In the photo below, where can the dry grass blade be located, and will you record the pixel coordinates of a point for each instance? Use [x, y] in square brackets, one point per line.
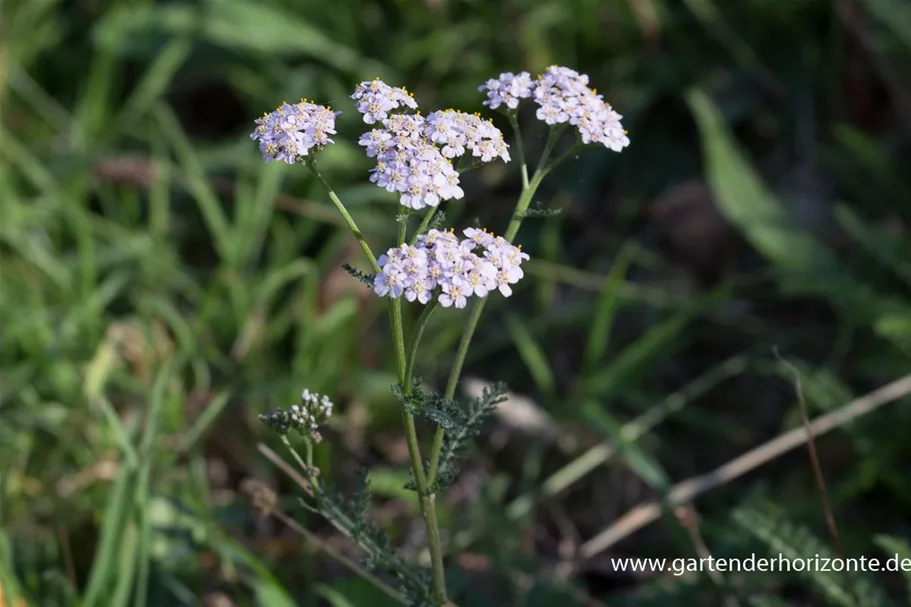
[687, 490]
[319, 544]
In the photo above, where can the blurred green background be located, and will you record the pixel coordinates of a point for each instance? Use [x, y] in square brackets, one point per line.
[161, 287]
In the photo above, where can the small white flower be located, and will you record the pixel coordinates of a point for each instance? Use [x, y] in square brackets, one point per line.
[293, 131]
[306, 417]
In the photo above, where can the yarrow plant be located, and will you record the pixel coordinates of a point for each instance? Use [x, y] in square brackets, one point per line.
[421, 160]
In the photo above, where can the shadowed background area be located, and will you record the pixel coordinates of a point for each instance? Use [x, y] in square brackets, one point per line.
[161, 287]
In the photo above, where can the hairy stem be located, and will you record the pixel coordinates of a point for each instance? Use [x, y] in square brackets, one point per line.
[345, 215]
[423, 226]
[520, 149]
[427, 505]
[416, 340]
[528, 192]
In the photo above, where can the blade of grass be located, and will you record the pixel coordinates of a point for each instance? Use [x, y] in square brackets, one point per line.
[202, 424]
[805, 265]
[155, 81]
[113, 527]
[605, 310]
[197, 183]
[532, 354]
[891, 251]
[660, 341]
[245, 27]
[142, 555]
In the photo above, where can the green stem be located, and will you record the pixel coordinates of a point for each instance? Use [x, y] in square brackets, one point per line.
[425, 501]
[418, 333]
[566, 155]
[529, 192]
[423, 226]
[307, 465]
[525, 198]
[520, 149]
[427, 504]
[311, 164]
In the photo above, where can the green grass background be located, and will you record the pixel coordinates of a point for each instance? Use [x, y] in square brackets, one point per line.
[161, 287]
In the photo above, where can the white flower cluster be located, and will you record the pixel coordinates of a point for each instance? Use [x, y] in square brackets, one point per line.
[312, 412]
[375, 99]
[456, 130]
[408, 159]
[563, 96]
[507, 89]
[441, 260]
[291, 131]
[408, 163]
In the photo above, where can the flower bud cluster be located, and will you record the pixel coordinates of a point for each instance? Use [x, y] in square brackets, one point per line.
[312, 412]
[441, 264]
[292, 131]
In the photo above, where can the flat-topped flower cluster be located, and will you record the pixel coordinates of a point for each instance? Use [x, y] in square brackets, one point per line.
[441, 263]
[292, 131]
[408, 159]
[563, 96]
[414, 154]
[376, 100]
[409, 164]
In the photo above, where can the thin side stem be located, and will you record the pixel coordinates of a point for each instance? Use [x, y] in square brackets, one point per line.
[566, 155]
[306, 466]
[528, 192]
[345, 215]
[423, 225]
[416, 340]
[427, 505]
[520, 149]
[395, 311]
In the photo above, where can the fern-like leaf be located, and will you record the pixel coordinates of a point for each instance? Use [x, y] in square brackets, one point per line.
[438, 221]
[797, 543]
[367, 279]
[539, 212]
[457, 439]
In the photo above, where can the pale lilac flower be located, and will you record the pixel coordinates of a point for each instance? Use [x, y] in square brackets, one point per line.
[377, 142]
[507, 89]
[440, 262]
[292, 131]
[430, 238]
[507, 259]
[408, 163]
[376, 99]
[480, 237]
[453, 295]
[456, 131]
[420, 290]
[563, 96]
